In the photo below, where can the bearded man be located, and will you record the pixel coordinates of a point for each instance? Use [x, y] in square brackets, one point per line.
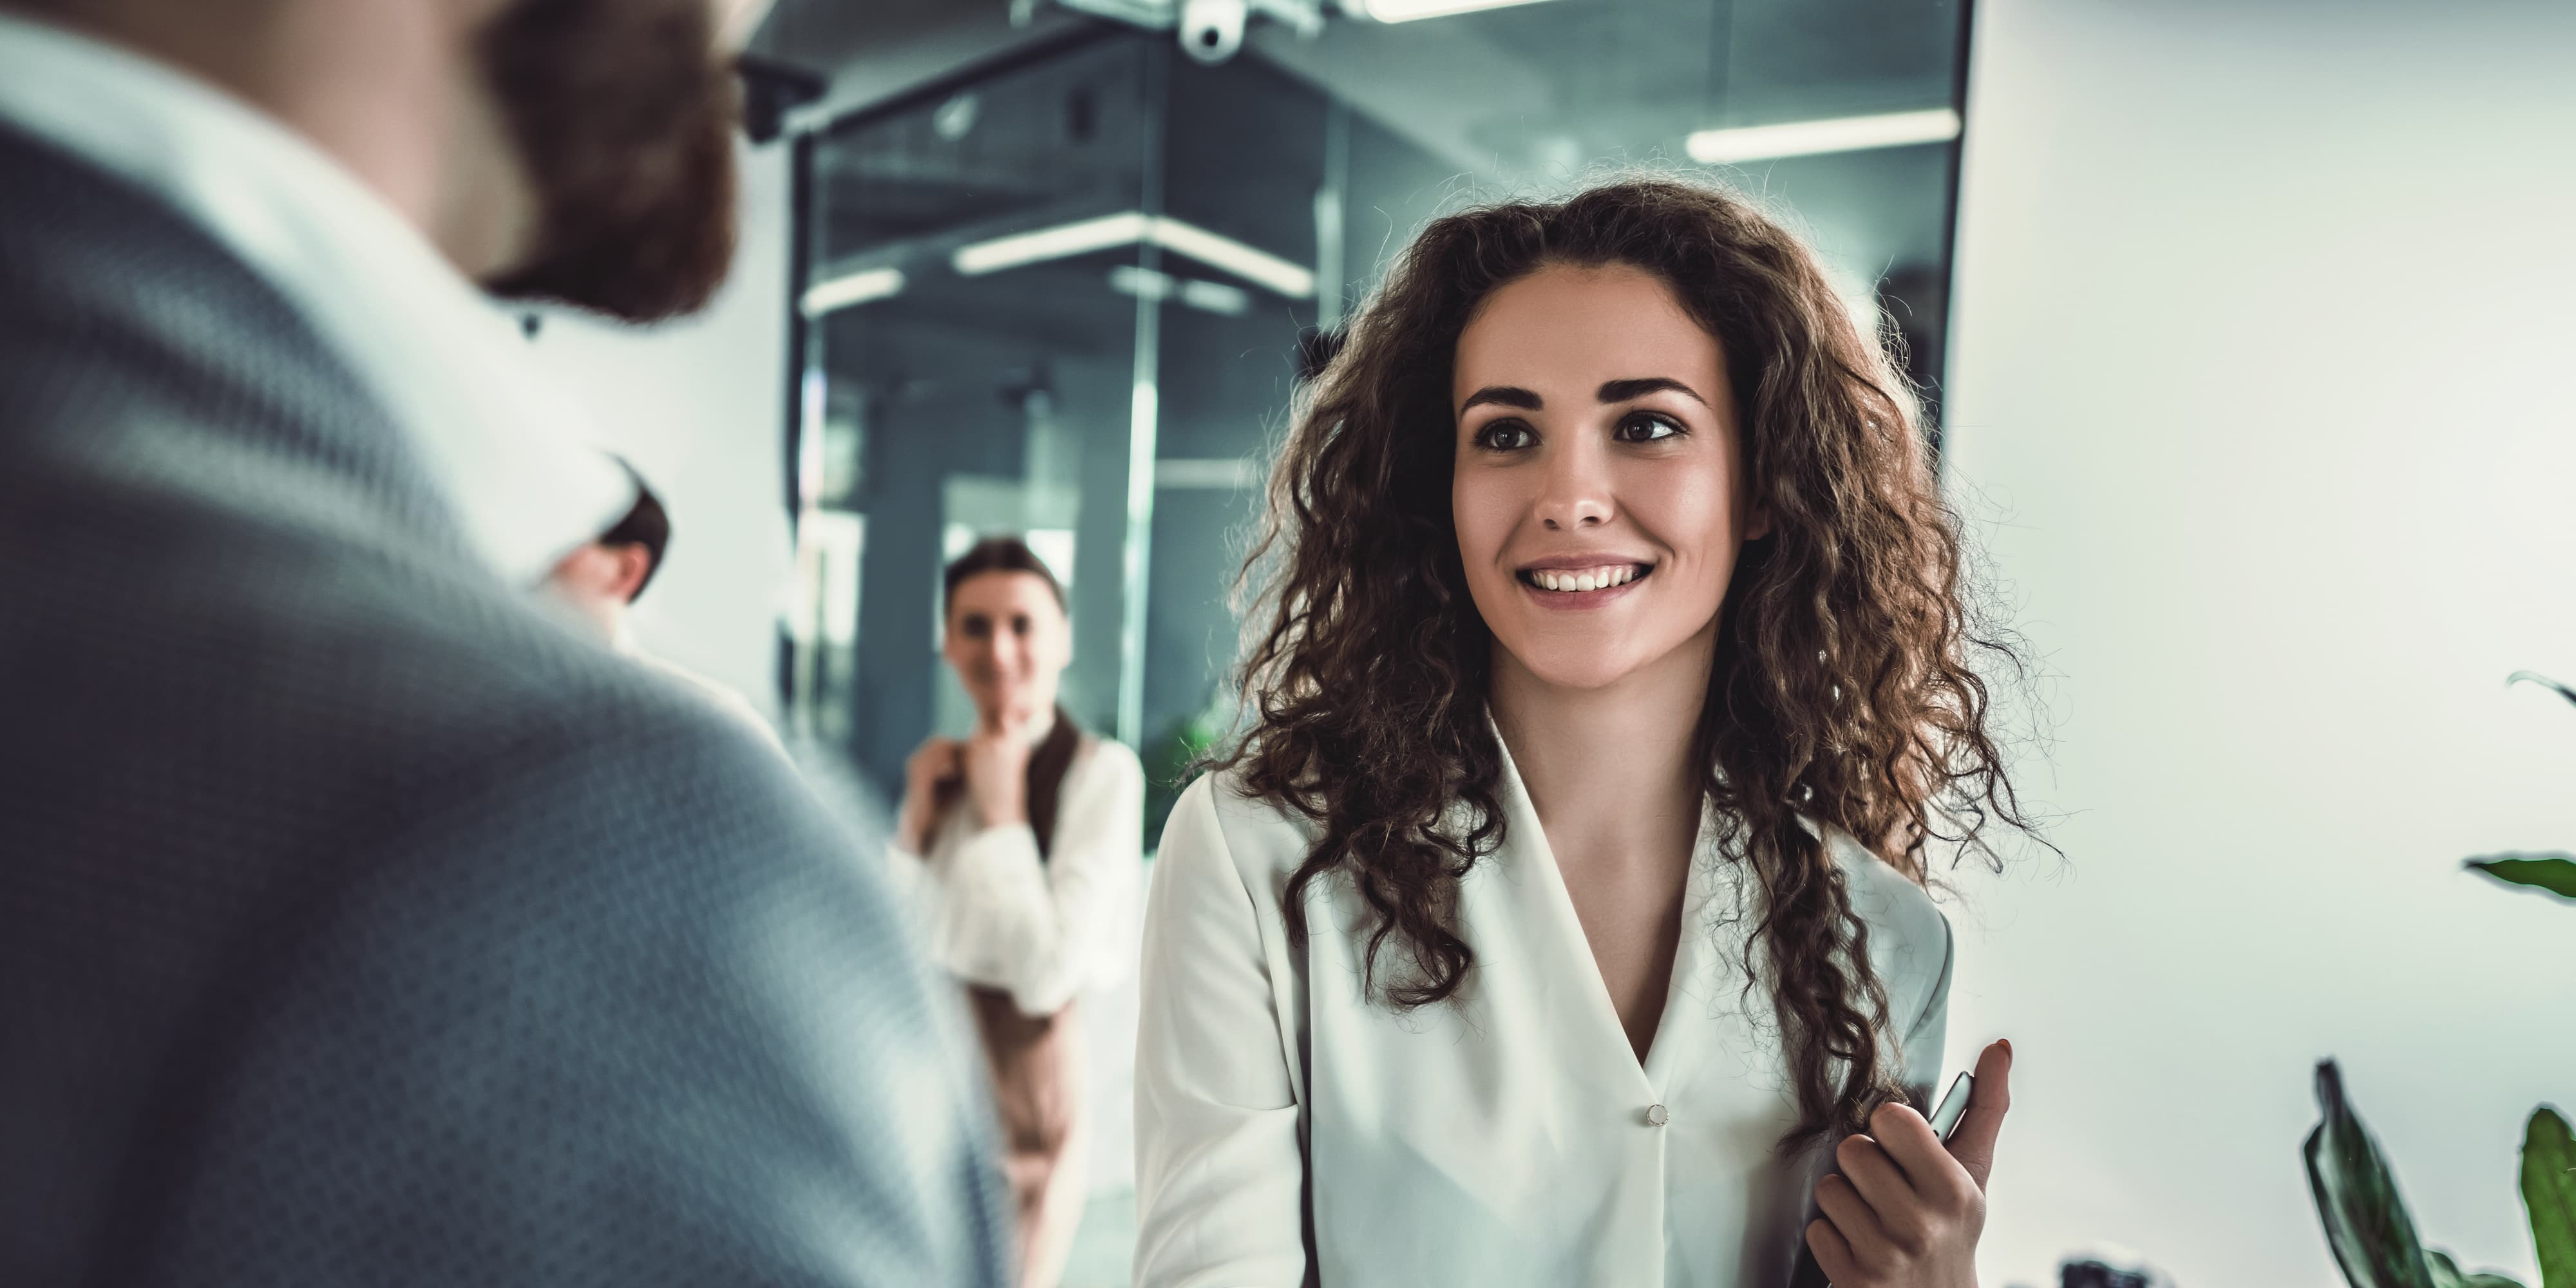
[360, 923]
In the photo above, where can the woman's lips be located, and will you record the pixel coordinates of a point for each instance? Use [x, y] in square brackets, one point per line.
[1585, 586]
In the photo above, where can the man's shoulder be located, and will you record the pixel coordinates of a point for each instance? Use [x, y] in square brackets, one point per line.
[301, 660]
[715, 694]
[482, 701]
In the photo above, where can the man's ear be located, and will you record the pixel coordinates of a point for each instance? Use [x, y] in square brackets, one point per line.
[634, 565]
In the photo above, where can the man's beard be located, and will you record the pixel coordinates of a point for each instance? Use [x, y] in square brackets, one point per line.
[624, 118]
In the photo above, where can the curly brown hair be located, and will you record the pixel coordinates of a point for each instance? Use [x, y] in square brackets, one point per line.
[1841, 690]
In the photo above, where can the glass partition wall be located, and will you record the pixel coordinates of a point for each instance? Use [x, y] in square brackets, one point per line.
[1062, 295]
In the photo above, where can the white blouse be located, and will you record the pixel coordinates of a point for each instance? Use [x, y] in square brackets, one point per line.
[1507, 1138]
[994, 914]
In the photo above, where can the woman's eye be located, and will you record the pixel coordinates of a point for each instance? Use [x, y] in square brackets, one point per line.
[1646, 429]
[1505, 436]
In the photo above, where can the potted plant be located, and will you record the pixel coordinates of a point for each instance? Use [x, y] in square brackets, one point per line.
[2365, 1218]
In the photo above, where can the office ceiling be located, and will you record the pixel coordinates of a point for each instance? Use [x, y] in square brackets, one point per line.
[1513, 98]
[1506, 92]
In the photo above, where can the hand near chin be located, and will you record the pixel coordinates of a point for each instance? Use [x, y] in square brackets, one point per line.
[929, 778]
[1904, 1211]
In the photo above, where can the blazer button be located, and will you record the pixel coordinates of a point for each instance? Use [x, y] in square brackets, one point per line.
[1656, 1116]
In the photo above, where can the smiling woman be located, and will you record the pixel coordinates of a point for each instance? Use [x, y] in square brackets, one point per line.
[1608, 601]
[1018, 846]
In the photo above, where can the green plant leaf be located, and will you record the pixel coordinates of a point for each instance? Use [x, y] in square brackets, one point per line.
[2447, 1273]
[2555, 873]
[2549, 1195]
[2537, 678]
[2366, 1222]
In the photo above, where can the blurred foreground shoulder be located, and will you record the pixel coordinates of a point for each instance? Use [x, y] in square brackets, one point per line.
[622, 1008]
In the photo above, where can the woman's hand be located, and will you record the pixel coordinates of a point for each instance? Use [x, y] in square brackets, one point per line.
[1903, 1210]
[997, 771]
[935, 769]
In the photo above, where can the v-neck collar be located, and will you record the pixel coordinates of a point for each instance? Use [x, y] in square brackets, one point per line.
[1552, 905]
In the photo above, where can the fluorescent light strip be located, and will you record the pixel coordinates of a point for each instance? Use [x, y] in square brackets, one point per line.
[1215, 297]
[852, 288]
[1063, 241]
[1259, 267]
[1148, 284]
[1143, 283]
[1107, 232]
[1816, 138]
[1408, 10]
[1214, 473]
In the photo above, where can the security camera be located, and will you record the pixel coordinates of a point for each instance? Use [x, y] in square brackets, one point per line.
[1212, 30]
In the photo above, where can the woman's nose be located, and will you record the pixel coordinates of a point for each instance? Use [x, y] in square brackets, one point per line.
[1007, 655]
[1575, 490]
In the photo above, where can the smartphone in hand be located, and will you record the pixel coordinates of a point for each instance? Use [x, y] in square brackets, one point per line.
[1953, 1107]
[1944, 1120]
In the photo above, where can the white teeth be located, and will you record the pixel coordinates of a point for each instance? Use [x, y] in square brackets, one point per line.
[1587, 579]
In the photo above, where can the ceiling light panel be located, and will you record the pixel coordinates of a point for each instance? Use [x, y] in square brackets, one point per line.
[1408, 10]
[849, 289]
[1817, 138]
[1108, 232]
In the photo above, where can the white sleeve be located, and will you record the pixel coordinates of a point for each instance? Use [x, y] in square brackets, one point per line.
[1043, 931]
[1219, 1172]
[913, 891]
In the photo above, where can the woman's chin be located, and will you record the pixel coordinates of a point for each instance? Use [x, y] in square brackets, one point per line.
[1019, 704]
[1579, 668]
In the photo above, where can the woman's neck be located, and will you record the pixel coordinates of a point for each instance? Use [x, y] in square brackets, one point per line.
[1033, 720]
[1610, 765]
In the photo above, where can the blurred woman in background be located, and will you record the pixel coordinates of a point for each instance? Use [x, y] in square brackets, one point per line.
[1526, 938]
[1022, 845]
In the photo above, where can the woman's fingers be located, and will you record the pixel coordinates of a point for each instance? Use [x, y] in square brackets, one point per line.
[1974, 1143]
[1934, 1176]
[1864, 1163]
[1853, 1219]
[1833, 1253]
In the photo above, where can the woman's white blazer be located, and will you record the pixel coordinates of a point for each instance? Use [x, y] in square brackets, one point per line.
[1289, 1130]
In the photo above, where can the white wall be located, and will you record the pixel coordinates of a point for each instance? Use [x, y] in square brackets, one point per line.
[698, 406]
[2265, 315]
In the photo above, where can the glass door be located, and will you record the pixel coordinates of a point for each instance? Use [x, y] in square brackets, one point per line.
[1063, 294]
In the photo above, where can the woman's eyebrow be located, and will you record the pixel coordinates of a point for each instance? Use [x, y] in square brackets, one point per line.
[1647, 385]
[1616, 391]
[1506, 395]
